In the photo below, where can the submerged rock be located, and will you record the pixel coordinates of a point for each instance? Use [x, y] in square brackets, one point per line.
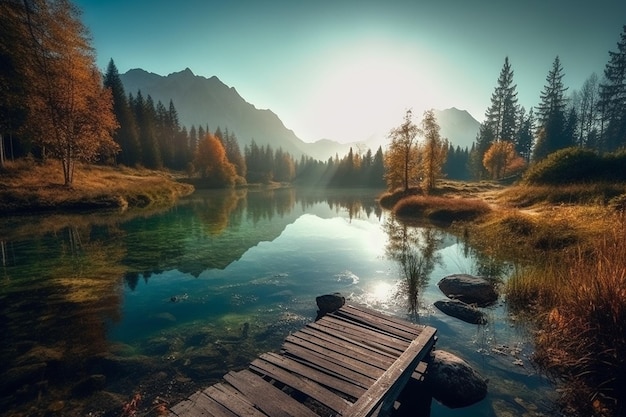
[453, 382]
[462, 311]
[328, 303]
[469, 289]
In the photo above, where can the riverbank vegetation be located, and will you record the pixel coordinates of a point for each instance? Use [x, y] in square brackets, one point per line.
[26, 185]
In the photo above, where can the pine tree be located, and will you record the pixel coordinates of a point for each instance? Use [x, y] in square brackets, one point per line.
[501, 115]
[613, 98]
[551, 114]
[146, 121]
[127, 136]
[524, 142]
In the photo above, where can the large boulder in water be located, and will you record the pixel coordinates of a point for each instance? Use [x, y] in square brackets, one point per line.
[469, 289]
[453, 382]
[462, 311]
[328, 303]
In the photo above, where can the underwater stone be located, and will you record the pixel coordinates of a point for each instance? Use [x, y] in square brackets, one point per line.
[453, 382]
[462, 311]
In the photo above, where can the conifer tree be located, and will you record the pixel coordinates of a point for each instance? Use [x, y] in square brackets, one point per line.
[146, 121]
[127, 136]
[524, 142]
[551, 135]
[501, 115]
[613, 98]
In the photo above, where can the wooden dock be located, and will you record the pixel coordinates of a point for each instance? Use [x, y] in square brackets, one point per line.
[353, 362]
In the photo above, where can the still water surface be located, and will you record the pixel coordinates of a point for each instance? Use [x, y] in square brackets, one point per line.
[98, 307]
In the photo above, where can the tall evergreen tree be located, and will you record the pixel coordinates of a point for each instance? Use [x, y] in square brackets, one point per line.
[524, 141]
[551, 134]
[146, 121]
[127, 135]
[613, 98]
[501, 114]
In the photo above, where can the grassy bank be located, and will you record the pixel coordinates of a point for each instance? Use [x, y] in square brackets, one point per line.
[28, 186]
[569, 244]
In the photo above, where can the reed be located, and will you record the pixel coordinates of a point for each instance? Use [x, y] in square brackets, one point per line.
[580, 301]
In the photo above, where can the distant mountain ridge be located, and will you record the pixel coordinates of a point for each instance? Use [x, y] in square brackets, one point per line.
[202, 101]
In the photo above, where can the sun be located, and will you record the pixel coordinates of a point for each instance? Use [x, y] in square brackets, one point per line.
[365, 90]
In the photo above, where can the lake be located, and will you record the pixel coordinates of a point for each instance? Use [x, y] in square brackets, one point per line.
[98, 307]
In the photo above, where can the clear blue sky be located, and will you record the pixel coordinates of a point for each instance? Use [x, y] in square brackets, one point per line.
[346, 70]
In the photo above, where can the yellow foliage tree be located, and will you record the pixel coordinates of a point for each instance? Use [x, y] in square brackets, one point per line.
[401, 164]
[501, 159]
[212, 163]
[434, 152]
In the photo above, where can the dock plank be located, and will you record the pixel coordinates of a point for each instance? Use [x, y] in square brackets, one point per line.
[271, 400]
[304, 385]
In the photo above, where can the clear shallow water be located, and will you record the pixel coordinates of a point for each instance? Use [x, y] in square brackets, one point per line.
[163, 303]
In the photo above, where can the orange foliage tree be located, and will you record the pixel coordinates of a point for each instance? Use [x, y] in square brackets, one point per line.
[212, 164]
[501, 159]
[70, 113]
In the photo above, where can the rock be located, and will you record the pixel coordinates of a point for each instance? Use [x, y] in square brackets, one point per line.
[89, 385]
[453, 382]
[20, 375]
[469, 289]
[329, 303]
[462, 311]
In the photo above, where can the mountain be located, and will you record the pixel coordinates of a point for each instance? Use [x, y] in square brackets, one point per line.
[458, 126]
[202, 101]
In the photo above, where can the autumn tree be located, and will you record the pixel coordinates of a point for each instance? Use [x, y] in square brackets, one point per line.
[501, 159]
[69, 112]
[434, 152]
[401, 164]
[212, 164]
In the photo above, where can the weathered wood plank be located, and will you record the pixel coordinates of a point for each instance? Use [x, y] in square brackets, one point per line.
[363, 352]
[232, 400]
[339, 356]
[387, 388]
[368, 336]
[368, 315]
[378, 325]
[209, 406]
[331, 380]
[268, 398]
[304, 385]
[325, 364]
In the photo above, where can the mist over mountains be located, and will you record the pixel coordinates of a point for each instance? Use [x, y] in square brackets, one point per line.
[202, 101]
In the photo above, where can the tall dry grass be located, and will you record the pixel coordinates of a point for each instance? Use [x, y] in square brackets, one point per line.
[441, 209]
[581, 299]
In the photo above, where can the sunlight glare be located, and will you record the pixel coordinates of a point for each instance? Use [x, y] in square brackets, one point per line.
[381, 292]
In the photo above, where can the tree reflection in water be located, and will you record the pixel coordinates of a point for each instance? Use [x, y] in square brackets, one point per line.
[415, 249]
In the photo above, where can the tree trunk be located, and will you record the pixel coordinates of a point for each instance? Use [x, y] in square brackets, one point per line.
[1, 150]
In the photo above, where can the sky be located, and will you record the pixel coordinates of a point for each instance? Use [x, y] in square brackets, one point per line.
[348, 70]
